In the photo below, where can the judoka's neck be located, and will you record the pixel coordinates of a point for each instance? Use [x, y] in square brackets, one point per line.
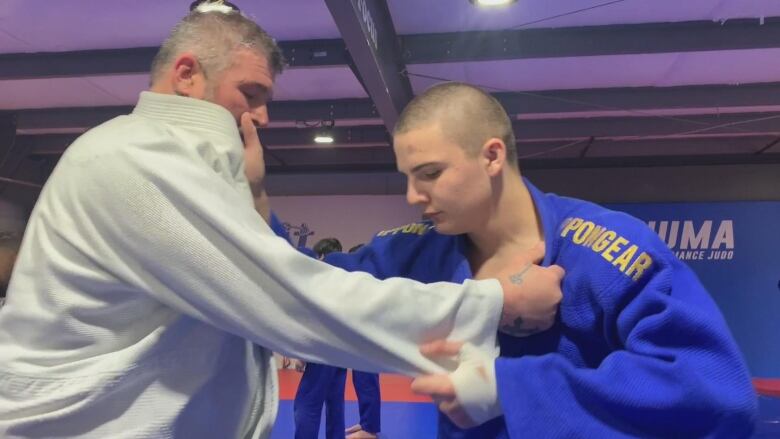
[513, 224]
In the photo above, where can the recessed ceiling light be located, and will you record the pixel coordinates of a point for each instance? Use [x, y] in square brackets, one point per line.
[323, 138]
[324, 135]
[489, 3]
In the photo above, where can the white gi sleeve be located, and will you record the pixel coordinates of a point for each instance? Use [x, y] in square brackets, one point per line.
[168, 225]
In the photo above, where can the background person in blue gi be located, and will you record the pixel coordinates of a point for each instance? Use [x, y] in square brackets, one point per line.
[148, 293]
[324, 385]
[369, 398]
[321, 384]
[639, 349]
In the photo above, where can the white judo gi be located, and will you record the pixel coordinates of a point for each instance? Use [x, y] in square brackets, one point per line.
[146, 282]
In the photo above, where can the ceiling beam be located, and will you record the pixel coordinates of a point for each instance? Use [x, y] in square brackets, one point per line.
[369, 34]
[612, 127]
[280, 111]
[304, 53]
[358, 156]
[45, 144]
[726, 98]
[372, 156]
[694, 36]
[374, 159]
[632, 39]
[272, 138]
[638, 128]
[550, 130]
[642, 184]
[548, 163]
[285, 138]
[334, 109]
[641, 98]
[68, 118]
[379, 160]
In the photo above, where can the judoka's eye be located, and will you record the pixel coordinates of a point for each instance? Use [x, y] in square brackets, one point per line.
[431, 175]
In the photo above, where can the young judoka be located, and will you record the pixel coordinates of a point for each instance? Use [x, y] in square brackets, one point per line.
[639, 349]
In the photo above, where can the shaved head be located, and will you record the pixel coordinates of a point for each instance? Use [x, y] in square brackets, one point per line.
[466, 115]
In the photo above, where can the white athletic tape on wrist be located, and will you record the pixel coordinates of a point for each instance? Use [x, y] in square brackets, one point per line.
[476, 392]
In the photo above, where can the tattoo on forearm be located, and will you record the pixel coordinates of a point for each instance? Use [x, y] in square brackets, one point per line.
[517, 329]
[517, 278]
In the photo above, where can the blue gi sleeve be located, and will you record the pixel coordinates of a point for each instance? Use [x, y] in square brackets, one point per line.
[281, 231]
[278, 227]
[413, 251]
[674, 371]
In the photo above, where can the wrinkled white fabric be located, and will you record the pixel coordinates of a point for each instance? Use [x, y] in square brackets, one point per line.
[475, 384]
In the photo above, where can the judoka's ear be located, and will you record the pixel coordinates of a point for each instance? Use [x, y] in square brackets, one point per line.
[188, 76]
[493, 154]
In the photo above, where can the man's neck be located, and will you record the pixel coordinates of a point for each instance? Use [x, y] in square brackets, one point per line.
[513, 225]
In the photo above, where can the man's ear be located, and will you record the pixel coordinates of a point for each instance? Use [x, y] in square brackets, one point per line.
[188, 76]
[493, 153]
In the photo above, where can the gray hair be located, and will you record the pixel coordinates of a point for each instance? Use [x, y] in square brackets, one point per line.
[213, 37]
[467, 115]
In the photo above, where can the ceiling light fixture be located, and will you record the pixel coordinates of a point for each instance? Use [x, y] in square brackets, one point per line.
[323, 138]
[324, 135]
[491, 3]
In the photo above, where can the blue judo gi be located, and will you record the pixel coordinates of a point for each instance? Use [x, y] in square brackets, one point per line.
[639, 348]
[369, 400]
[320, 385]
